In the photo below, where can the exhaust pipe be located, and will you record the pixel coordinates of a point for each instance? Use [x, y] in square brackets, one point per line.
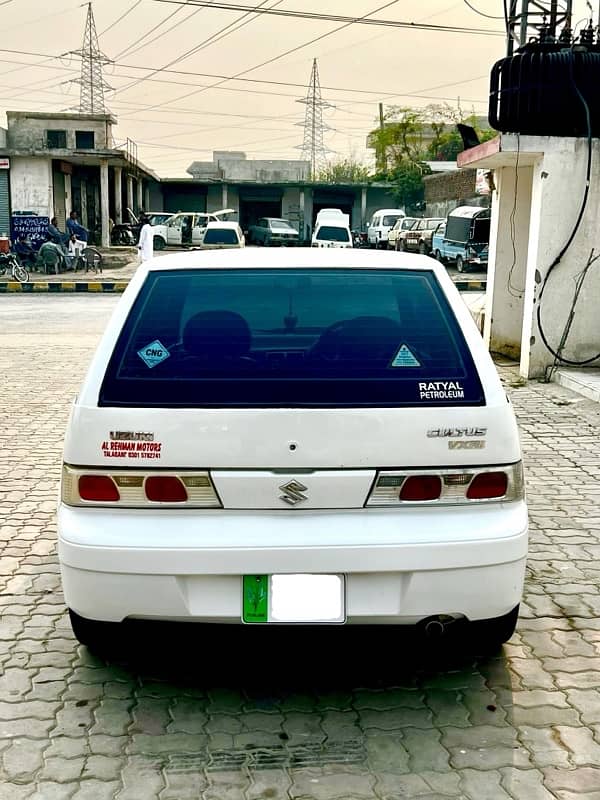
[434, 629]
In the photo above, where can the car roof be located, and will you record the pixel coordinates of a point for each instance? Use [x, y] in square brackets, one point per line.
[222, 224]
[278, 258]
[389, 211]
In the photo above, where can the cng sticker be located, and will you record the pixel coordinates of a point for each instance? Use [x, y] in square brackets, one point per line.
[405, 358]
[153, 353]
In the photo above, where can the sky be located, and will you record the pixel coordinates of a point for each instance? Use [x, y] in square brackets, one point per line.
[168, 63]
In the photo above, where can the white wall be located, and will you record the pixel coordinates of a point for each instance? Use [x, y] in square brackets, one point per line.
[509, 237]
[31, 185]
[558, 186]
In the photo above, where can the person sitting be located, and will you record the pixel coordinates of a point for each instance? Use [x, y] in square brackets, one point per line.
[55, 235]
[51, 256]
[25, 251]
[75, 229]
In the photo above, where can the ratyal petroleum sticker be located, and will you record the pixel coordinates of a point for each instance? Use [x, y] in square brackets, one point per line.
[441, 390]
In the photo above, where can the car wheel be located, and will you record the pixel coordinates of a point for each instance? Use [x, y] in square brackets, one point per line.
[491, 634]
[159, 243]
[423, 249]
[438, 256]
[402, 246]
[460, 264]
[95, 635]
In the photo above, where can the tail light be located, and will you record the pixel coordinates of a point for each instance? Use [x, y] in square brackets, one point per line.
[488, 485]
[421, 488]
[137, 489]
[448, 487]
[165, 489]
[98, 489]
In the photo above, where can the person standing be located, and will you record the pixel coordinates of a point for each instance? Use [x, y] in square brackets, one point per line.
[146, 242]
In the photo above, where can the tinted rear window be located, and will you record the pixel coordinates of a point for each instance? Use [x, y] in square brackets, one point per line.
[291, 338]
[331, 233]
[220, 236]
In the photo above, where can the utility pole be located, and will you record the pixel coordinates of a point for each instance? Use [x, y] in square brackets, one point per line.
[313, 147]
[93, 60]
[381, 150]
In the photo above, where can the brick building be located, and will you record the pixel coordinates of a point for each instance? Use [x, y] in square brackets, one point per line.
[445, 191]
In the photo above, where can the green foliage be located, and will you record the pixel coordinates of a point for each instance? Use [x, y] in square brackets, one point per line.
[346, 170]
[410, 137]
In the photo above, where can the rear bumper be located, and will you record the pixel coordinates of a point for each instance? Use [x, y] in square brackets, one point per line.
[398, 569]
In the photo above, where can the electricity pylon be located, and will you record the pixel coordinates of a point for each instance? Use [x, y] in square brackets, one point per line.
[539, 19]
[313, 147]
[93, 60]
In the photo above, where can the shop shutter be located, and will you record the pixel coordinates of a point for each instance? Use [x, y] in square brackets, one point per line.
[4, 204]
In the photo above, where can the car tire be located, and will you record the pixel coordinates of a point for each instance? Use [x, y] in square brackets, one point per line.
[97, 636]
[491, 634]
[423, 249]
[438, 256]
[159, 243]
[460, 264]
[402, 246]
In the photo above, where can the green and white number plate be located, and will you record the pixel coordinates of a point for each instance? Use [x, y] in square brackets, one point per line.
[294, 598]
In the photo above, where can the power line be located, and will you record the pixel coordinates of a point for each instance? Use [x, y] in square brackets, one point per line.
[125, 14]
[481, 14]
[131, 51]
[226, 31]
[391, 23]
[148, 33]
[275, 58]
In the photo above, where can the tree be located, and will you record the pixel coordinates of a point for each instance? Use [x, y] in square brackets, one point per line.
[346, 170]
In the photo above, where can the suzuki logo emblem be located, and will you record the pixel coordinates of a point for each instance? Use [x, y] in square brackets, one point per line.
[292, 493]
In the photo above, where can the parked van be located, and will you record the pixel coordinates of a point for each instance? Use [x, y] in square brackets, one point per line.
[380, 226]
[284, 436]
[463, 240]
[332, 229]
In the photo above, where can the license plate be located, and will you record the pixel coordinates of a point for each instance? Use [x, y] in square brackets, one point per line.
[299, 598]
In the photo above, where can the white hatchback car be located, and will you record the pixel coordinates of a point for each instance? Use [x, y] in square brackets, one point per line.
[292, 436]
[222, 236]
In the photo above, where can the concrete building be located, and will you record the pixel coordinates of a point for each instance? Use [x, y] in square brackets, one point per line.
[255, 189]
[540, 183]
[63, 162]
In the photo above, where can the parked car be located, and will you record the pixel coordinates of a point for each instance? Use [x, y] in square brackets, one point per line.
[222, 235]
[332, 229]
[128, 233]
[418, 238]
[185, 229]
[403, 224]
[465, 239]
[286, 436]
[381, 224]
[272, 230]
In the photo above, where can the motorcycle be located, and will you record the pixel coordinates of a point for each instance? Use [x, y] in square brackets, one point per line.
[10, 263]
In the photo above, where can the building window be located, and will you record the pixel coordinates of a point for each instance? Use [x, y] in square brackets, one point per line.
[56, 140]
[84, 140]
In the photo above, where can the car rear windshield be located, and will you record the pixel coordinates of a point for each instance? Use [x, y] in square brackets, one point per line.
[280, 224]
[390, 219]
[332, 233]
[291, 338]
[220, 236]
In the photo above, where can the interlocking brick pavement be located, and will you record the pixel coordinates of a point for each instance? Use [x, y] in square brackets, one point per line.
[189, 716]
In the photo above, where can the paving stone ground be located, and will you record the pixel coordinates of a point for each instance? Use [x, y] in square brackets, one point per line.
[191, 716]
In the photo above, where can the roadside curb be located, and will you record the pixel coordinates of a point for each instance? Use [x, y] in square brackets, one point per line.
[67, 287]
[470, 286]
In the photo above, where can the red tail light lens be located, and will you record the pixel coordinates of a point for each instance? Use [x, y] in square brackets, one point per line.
[421, 487]
[165, 489]
[488, 485]
[98, 488]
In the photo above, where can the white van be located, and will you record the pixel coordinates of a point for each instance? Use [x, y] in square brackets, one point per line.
[332, 229]
[380, 226]
[286, 436]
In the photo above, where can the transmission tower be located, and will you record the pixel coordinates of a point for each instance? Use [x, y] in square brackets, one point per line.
[538, 19]
[313, 147]
[92, 84]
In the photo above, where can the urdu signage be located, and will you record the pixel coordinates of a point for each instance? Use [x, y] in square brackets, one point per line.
[4, 163]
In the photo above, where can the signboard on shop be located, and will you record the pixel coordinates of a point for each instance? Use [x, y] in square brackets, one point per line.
[31, 226]
[4, 163]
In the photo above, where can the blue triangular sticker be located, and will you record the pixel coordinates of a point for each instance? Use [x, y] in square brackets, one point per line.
[405, 358]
